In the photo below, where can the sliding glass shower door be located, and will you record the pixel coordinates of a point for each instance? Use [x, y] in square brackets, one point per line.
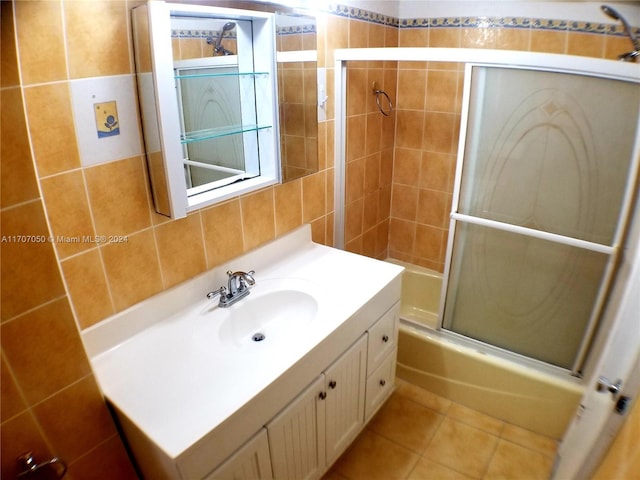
[541, 200]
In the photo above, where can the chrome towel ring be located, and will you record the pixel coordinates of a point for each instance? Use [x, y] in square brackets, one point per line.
[378, 92]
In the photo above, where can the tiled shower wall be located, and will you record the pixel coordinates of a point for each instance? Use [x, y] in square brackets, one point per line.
[51, 404]
[427, 99]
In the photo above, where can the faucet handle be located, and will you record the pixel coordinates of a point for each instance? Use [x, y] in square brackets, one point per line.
[222, 291]
[248, 277]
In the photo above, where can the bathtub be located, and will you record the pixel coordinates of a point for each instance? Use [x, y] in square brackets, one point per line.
[543, 402]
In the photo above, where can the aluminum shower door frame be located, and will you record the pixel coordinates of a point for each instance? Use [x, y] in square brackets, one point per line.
[491, 58]
[497, 58]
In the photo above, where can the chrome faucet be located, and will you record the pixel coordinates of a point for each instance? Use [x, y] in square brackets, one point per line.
[237, 288]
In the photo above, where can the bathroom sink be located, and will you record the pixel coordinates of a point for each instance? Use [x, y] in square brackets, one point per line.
[185, 376]
[267, 315]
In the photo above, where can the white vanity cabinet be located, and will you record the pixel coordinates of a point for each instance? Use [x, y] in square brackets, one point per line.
[311, 432]
[195, 402]
[345, 399]
[296, 435]
[251, 462]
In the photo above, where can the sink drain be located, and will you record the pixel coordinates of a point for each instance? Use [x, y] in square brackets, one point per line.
[258, 337]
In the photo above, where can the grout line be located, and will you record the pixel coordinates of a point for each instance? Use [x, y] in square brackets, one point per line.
[33, 309]
[242, 220]
[97, 446]
[204, 240]
[20, 204]
[159, 259]
[491, 457]
[65, 46]
[499, 437]
[272, 195]
[100, 255]
[21, 394]
[422, 454]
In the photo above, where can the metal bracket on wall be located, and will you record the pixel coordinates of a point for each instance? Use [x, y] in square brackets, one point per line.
[50, 469]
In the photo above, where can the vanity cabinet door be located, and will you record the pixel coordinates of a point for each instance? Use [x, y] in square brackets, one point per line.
[297, 436]
[345, 381]
[251, 462]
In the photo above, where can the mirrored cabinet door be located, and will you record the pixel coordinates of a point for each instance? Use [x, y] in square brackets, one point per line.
[207, 88]
[301, 87]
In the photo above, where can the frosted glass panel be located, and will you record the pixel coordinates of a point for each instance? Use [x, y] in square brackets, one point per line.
[210, 102]
[526, 295]
[549, 151]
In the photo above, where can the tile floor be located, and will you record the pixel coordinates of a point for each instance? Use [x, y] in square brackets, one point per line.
[419, 435]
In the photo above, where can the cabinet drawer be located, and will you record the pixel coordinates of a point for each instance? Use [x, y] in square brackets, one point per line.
[380, 384]
[382, 338]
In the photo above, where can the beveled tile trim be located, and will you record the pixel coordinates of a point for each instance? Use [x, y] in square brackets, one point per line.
[480, 22]
[588, 27]
[340, 10]
[414, 23]
[444, 22]
[549, 24]
[618, 30]
[181, 33]
[362, 14]
[296, 30]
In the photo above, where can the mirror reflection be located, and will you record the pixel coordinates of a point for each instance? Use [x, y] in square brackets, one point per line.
[297, 94]
[210, 92]
[209, 39]
[194, 37]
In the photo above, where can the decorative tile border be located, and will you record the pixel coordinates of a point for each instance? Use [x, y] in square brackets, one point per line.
[442, 22]
[181, 33]
[296, 30]
[547, 24]
[361, 14]
[203, 34]
[480, 22]
[587, 27]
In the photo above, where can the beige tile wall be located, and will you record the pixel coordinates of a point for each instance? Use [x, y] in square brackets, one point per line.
[369, 139]
[51, 404]
[113, 198]
[428, 125]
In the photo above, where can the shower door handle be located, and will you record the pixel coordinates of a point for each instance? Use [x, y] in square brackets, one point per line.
[605, 385]
[622, 401]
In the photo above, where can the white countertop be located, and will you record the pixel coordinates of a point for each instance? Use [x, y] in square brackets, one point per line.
[172, 376]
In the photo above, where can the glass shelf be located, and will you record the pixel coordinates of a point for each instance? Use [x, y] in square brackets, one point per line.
[212, 133]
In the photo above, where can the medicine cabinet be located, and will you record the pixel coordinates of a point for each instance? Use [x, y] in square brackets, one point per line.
[207, 92]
